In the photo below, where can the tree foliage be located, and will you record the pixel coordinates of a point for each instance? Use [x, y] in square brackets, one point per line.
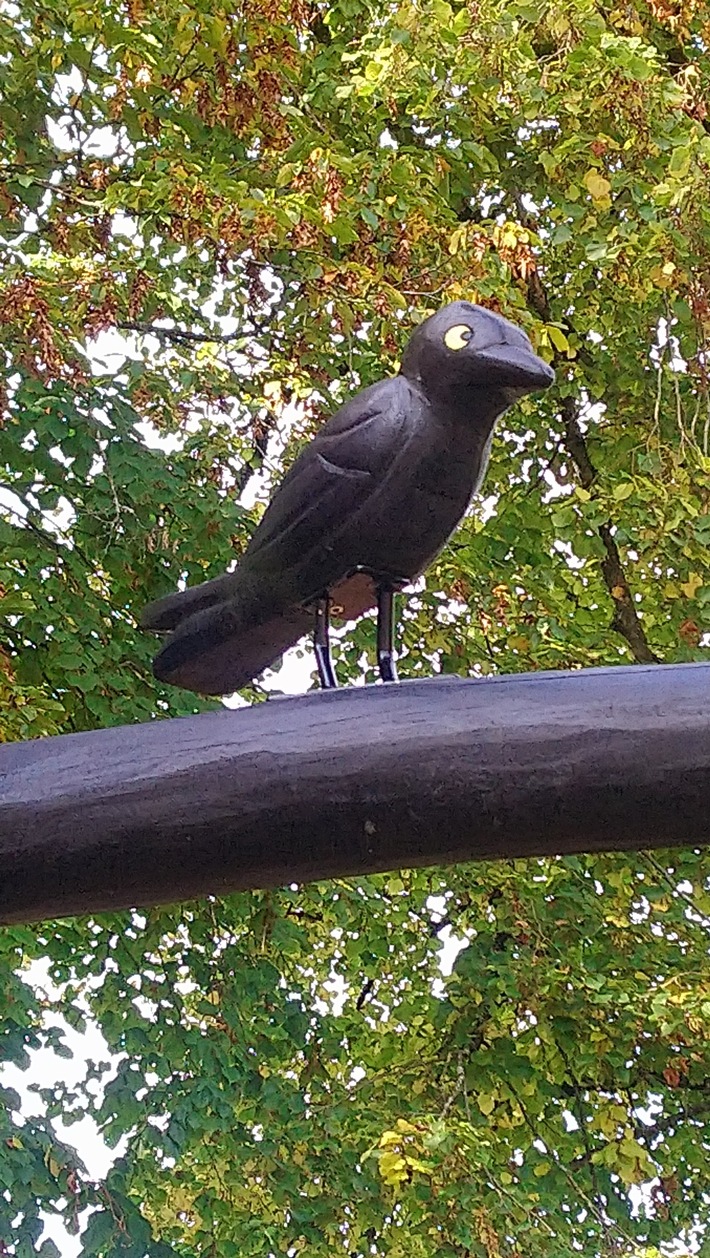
[261, 199]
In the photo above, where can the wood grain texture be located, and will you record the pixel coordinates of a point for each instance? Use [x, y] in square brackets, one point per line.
[355, 781]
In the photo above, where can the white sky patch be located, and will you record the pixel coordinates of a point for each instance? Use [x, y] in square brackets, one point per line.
[49, 1070]
[108, 351]
[57, 522]
[13, 504]
[667, 348]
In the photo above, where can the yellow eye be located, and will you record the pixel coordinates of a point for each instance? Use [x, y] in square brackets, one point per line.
[457, 337]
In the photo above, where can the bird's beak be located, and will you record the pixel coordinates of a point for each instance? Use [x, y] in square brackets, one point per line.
[517, 367]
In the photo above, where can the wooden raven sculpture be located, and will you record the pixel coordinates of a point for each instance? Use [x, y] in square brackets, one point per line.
[363, 511]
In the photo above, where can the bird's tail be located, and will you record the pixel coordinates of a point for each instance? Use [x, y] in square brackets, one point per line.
[169, 612]
[220, 644]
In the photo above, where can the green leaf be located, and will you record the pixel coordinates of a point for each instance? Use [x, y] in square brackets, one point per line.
[623, 491]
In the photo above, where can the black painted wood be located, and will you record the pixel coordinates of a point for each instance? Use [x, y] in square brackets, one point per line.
[353, 781]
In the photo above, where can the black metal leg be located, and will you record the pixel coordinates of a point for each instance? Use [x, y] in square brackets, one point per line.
[321, 645]
[386, 658]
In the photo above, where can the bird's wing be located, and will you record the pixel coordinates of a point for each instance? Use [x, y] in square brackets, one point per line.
[346, 462]
[349, 461]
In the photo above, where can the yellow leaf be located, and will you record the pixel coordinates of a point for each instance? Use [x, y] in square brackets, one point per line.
[457, 239]
[692, 585]
[403, 1125]
[388, 1137]
[660, 276]
[486, 1104]
[598, 188]
[543, 1168]
[393, 1167]
[416, 1164]
[558, 338]
[623, 490]
[634, 1164]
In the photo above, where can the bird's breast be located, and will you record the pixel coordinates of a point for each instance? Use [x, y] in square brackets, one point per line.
[425, 497]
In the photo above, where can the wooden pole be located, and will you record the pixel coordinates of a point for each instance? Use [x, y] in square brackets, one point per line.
[353, 781]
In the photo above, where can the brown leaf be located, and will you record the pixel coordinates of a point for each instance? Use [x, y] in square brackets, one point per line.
[690, 633]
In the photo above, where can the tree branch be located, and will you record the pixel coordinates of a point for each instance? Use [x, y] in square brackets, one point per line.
[191, 338]
[625, 620]
[354, 781]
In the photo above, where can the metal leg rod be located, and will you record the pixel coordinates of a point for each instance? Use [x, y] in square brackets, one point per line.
[386, 658]
[321, 645]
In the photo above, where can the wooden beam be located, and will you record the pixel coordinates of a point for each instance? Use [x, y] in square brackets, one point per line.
[354, 781]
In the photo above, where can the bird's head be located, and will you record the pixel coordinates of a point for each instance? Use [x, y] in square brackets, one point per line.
[464, 347]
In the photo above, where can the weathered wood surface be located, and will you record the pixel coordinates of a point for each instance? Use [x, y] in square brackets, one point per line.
[354, 781]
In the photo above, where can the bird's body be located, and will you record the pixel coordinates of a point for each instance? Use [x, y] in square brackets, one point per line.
[380, 488]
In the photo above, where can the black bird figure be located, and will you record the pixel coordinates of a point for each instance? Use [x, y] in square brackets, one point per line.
[364, 509]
